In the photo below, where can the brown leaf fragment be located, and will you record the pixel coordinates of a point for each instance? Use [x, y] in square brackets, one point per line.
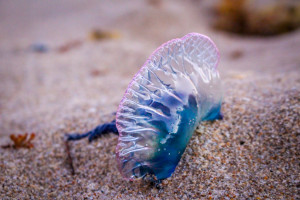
[155, 3]
[97, 72]
[69, 45]
[236, 54]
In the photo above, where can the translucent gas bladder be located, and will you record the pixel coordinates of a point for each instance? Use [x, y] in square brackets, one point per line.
[177, 88]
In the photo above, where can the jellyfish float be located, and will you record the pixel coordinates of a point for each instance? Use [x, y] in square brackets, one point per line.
[177, 88]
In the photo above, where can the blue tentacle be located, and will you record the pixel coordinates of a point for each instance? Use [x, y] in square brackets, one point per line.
[95, 133]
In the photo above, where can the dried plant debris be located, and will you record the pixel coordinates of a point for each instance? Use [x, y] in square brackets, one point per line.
[21, 141]
[97, 72]
[69, 45]
[96, 35]
[155, 3]
[253, 17]
[236, 54]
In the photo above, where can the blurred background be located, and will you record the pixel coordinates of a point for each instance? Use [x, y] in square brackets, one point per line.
[65, 64]
[64, 53]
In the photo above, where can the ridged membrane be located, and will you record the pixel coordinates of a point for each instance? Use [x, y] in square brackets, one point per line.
[176, 88]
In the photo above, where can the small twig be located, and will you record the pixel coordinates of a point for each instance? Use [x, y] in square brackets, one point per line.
[7, 146]
[70, 160]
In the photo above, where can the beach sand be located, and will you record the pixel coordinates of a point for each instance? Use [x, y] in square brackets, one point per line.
[253, 153]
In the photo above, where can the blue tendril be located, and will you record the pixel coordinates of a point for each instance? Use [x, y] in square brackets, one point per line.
[95, 133]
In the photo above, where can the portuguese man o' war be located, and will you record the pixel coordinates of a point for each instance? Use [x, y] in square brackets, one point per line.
[177, 88]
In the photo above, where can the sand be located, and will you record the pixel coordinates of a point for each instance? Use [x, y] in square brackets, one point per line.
[253, 153]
